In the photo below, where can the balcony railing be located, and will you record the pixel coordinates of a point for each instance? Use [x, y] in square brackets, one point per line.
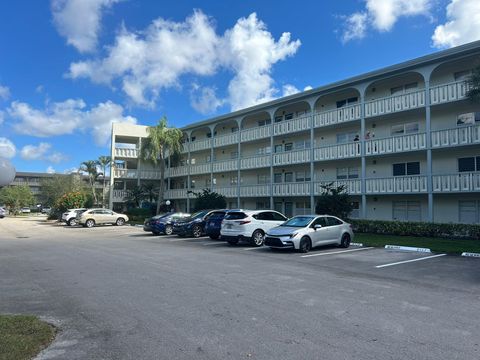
[396, 144]
[176, 194]
[260, 132]
[254, 162]
[150, 174]
[448, 92]
[226, 139]
[291, 157]
[292, 189]
[200, 169]
[255, 190]
[125, 173]
[199, 145]
[228, 191]
[120, 195]
[178, 171]
[337, 116]
[338, 151]
[134, 174]
[395, 103]
[126, 153]
[397, 185]
[227, 165]
[464, 135]
[460, 182]
[294, 125]
[352, 186]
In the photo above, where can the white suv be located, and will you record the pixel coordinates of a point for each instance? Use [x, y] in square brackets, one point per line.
[70, 216]
[250, 225]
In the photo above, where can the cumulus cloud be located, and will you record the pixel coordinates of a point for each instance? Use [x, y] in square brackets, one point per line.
[7, 148]
[204, 99]
[289, 89]
[147, 62]
[462, 26]
[66, 117]
[41, 152]
[4, 92]
[308, 87]
[382, 16]
[79, 21]
[50, 170]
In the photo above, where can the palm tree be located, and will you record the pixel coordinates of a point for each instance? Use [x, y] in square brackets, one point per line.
[150, 190]
[473, 92]
[161, 142]
[104, 162]
[90, 167]
[136, 195]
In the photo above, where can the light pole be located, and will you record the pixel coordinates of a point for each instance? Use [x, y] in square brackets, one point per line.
[168, 202]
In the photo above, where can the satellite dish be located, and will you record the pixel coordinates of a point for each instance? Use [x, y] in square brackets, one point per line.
[7, 172]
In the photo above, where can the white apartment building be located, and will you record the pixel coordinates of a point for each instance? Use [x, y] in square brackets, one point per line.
[404, 140]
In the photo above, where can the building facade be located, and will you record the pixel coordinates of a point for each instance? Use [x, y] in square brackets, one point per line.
[404, 140]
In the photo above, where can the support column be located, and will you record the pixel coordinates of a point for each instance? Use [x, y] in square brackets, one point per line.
[428, 136]
[212, 143]
[112, 169]
[362, 153]
[312, 162]
[139, 163]
[239, 162]
[189, 160]
[272, 119]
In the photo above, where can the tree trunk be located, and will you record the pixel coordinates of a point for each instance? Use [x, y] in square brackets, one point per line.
[162, 184]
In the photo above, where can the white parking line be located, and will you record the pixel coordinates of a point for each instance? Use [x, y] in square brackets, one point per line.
[254, 248]
[188, 239]
[336, 252]
[214, 243]
[409, 261]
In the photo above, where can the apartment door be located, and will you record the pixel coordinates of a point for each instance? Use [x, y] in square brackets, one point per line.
[288, 209]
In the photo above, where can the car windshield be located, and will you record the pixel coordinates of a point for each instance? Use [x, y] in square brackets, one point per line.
[161, 216]
[197, 215]
[298, 221]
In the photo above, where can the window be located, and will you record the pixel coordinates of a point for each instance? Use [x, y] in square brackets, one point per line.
[406, 210]
[264, 150]
[404, 88]
[288, 177]
[262, 205]
[234, 129]
[277, 178]
[289, 147]
[192, 184]
[264, 122]
[462, 75]
[469, 212]
[263, 179]
[302, 144]
[208, 158]
[355, 210]
[344, 138]
[410, 168]
[347, 173]
[402, 129]
[302, 207]
[278, 148]
[320, 221]
[233, 180]
[278, 119]
[193, 138]
[468, 118]
[234, 155]
[301, 176]
[277, 217]
[347, 102]
[289, 116]
[331, 221]
[469, 164]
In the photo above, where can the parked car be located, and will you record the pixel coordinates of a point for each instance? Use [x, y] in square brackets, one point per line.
[46, 210]
[25, 210]
[163, 224]
[70, 216]
[249, 225]
[304, 232]
[214, 223]
[194, 225]
[2, 212]
[92, 217]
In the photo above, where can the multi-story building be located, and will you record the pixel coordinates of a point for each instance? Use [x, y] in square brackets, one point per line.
[404, 140]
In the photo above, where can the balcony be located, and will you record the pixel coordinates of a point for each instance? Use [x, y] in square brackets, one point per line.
[120, 195]
[125, 174]
[295, 125]
[225, 140]
[464, 135]
[397, 185]
[134, 174]
[292, 189]
[200, 169]
[460, 182]
[395, 103]
[352, 186]
[255, 190]
[396, 144]
[337, 116]
[126, 153]
[256, 133]
[178, 171]
[151, 174]
[291, 157]
[448, 92]
[338, 151]
[255, 162]
[229, 192]
[176, 194]
[198, 145]
[228, 165]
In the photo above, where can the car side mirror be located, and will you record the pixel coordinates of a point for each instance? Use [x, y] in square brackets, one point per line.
[317, 227]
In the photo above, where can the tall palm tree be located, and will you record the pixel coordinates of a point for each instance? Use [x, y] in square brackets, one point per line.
[104, 162]
[150, 190]
[474, 85]
[161, 142]
[90, 167]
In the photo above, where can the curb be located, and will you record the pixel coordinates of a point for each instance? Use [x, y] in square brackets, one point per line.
[408, 248]
[470, 254]
[356, 244]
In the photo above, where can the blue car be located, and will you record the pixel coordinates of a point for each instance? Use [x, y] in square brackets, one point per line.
[194, 225]
[163, 224]
[214, 223]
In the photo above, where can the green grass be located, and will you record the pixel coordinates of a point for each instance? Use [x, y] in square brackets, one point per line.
[23, 336]
[450, 246]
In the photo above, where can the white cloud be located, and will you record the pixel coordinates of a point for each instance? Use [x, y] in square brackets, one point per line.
[308, 87]
[289, 89]
[382, 16]
[67, 117]
[79, 21]
[204, 99]
[50, 170]
[32, 152]
[462, 26]
[2, 116]
[4, 92]
[167, 50]
[72, 170]
[39, 89]
[7, 148]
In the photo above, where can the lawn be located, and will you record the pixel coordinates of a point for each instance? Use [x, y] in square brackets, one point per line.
[450, 246]
[23, 336]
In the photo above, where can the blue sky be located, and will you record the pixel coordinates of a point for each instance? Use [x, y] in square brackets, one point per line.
[69, 68]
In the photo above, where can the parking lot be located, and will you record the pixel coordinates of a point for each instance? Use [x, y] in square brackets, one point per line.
[121, 293]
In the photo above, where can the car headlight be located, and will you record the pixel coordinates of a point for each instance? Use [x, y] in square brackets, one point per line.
[293, 235]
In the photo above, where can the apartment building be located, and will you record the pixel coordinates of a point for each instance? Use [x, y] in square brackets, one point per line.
[404, 140]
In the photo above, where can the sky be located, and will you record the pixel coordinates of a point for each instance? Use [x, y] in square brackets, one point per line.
[70, 68]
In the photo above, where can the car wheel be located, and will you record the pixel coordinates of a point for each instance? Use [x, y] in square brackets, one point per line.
[214, 237]
[90, 223]
[197, 231]
[168, 230]
[120, 222]
[72, 222]
[232, 241]
[258, 237]
[305, 245]
[345, 243]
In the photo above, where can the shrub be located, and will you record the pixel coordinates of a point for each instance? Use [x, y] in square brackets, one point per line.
[334, 200]
[422, 229]
[139, 212]
[208, 199]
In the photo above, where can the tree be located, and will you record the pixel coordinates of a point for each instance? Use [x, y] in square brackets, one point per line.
[150, 190]
[334, 201]
[16, 197]
[208, 199]
[90, 167]
[104, 162]
[161, 142]
[136, 195]
[71, 200]
[473, 92]
[55, 187]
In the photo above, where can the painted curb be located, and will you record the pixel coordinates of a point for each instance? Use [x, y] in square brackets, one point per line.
[407, 248]
[356, 244]
[469, 254]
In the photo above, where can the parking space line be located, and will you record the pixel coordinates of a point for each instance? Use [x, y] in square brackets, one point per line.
[336, 252]
[214, 243]
[173, 240]
[254, 248]
[409, 261]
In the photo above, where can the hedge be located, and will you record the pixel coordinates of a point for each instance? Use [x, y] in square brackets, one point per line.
[422, 229]
[139, 212]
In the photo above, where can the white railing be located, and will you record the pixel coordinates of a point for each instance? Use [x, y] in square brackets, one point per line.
[462, 135]
[339, 151]
[456, 182]
[120, 195]
[255, 162]
[176, 194]
[294, 125]
[125, 173]
[255, 190]
[126, 153]
[395, 103]
[228, 165]
[397, 184]
[448, 92]
[224, 140]
[291, 157]
[200, 145]
[150, 174]
[337, 116]
[178, 171]
[292, 189]
[200, 169]
[256, 133]
[352, 186]
[227, 191]
[395, 144]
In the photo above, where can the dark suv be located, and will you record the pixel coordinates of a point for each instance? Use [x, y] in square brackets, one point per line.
[214, 223]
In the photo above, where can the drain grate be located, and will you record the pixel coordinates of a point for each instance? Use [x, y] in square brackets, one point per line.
[23, 237]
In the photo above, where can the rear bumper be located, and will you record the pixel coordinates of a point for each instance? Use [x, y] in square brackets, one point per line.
[235, 238]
